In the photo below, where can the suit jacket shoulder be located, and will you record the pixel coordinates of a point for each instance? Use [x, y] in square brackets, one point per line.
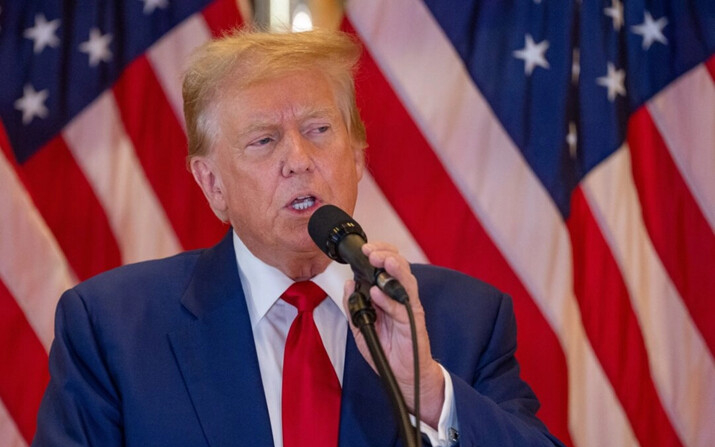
[155, 353]
[139, 286]
[461, 311]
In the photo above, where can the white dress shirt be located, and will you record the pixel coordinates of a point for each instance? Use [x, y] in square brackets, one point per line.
[271, 318]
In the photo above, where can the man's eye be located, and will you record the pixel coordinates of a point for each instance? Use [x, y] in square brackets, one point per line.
[262, 142]
[320, 129]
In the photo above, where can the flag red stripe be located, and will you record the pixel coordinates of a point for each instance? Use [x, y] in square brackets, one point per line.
[9, 154]
[710, 64]
[222, 15]
[60, 189]
[539, 353]
[677, 227]
[613, 328]
[24, 374]
[426, 199]
[136, 92]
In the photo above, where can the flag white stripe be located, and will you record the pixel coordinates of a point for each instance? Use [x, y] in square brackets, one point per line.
[685, 116]
[454, 117]
[32, 265]
[591, 397]
[681, 365]
[169, 57]
[9, 434]
[98, 141]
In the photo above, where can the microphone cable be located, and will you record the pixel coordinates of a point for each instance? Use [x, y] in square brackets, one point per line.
[416, 372]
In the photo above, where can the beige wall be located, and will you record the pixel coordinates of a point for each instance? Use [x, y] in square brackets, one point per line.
[326, 13]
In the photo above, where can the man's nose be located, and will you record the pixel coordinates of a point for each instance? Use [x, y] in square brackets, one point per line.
[298, 154]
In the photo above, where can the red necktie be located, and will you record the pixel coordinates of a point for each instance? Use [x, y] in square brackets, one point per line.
[311, 390]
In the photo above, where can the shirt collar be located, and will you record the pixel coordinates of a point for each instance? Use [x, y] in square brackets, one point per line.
[263, 284]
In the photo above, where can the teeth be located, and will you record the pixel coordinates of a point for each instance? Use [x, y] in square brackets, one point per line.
[303, 203]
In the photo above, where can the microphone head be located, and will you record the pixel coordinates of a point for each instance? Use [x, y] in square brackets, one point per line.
[328, 226]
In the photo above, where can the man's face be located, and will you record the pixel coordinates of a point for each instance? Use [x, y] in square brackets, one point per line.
[283, 151]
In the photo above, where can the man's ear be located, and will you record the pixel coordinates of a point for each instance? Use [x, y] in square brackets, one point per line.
[208, 177]
[359, 151]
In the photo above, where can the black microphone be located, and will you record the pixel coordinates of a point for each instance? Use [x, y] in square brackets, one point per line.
[341, 238]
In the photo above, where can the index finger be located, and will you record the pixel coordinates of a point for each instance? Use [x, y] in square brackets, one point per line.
[378, 246]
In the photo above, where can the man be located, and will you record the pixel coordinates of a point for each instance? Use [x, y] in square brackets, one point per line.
[197, 349]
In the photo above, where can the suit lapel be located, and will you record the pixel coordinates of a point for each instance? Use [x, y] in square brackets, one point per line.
[366, 417]
[217, 355]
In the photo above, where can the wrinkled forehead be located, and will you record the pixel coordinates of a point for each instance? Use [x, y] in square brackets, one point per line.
[298, 93]
[296, 97]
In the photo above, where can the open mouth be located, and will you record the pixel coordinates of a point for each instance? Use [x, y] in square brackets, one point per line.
[302, 203]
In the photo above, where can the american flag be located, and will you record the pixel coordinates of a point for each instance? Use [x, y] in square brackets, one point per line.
[561, 150]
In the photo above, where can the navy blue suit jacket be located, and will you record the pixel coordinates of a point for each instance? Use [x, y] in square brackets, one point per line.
[161, 353]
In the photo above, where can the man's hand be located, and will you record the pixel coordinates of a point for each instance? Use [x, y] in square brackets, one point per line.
[393, 330]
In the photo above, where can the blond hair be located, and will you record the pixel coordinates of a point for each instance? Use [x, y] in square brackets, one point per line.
[246, 56]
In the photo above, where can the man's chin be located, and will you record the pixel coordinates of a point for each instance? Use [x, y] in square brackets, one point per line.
[307, 247]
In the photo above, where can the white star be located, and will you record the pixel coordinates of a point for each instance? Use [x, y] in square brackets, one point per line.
[572, 139]
[32, 104]
[532, 54]
[616, 13]
[97, 47]
[575, 65]
[151, 5]
[613, 81]
[43, 33]
[651, 30]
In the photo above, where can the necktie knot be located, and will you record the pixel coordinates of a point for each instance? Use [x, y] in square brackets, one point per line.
[304, 295]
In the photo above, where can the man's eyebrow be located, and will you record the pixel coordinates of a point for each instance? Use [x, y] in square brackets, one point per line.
[260, 124]
[320, 111]
[257, 127]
